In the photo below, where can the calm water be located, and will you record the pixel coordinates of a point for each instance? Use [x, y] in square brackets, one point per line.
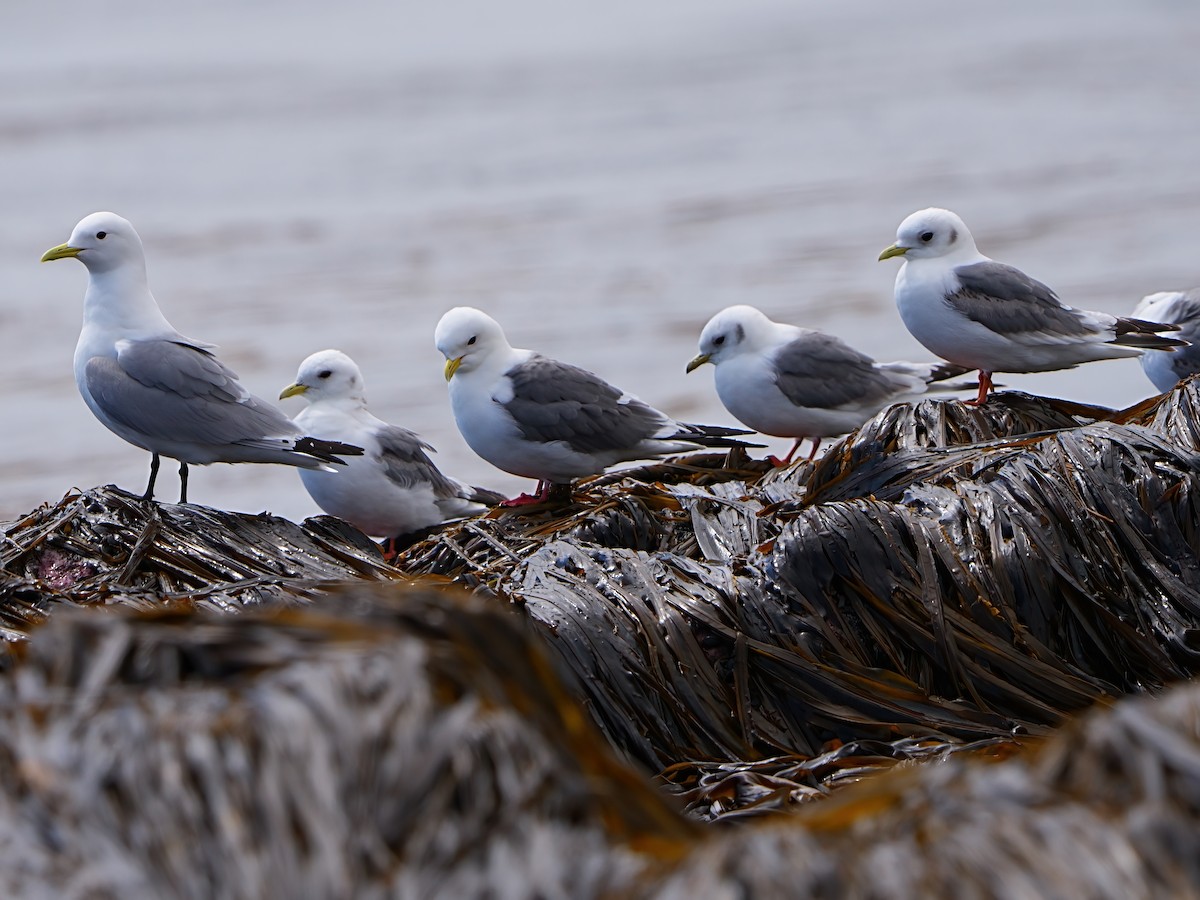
[600, 180]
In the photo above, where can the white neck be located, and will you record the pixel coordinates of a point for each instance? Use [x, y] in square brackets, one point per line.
[351, 404]
[120, 299]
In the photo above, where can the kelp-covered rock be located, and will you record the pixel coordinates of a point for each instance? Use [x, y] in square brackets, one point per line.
[948, 572]
[1107, 809]
[380, 744]
[945, 576]
[106, 545]
[399, 742]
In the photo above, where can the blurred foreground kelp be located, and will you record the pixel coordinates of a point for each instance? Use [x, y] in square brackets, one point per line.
[390, 742]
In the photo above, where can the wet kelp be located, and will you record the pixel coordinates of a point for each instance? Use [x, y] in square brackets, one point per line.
[374, 745]
[946, 577]
[401, 742]
[1106, 809]
[106, 545]
[946, 572]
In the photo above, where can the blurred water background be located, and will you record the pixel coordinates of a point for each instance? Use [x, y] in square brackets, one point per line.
[601, 178]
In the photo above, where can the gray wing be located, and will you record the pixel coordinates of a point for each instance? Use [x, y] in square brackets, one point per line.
[1009, 302]
[554, 401]
[177, 392]
[405, 461]
[822, 372]
[1185, 361]
[1184, 311]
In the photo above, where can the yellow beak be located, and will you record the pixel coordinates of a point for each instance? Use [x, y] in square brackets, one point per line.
[452, 367]
[62, 251]
[894, 250]
[293, 390]
[698, 362]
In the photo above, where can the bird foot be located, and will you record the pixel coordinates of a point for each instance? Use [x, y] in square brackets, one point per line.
[547, 492]
[523, 500]
[985, 388]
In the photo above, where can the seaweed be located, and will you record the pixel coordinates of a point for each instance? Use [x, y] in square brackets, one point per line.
[393, 740]
[946, 572]
[107, 545]
[945, 577]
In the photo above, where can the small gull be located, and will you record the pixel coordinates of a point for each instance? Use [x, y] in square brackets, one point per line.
[540, 418]
[157, 389]
[800, 383]
[973, 311]
[1182, 308]
[394, 488]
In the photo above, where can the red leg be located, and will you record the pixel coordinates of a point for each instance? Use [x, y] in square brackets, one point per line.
[985, 385]
[539, 496]
[813, 454]
[787, 460]
[390, 550]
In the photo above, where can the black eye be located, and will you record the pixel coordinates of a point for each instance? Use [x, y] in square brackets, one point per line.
[471, 341]
[101, 235]
[719, 340]
[324, 374]
[927, 237]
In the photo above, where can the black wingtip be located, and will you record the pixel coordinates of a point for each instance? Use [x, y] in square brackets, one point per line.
[327, 451]
[484, 496]
[946, 370]
[713, 436]
[1146, 335]
[1143, 326]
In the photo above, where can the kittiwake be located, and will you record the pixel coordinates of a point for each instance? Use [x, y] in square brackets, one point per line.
[1167, 368]
[159, 390]
[973, 311]
[394, 488]
[540, 418]
[801, 383]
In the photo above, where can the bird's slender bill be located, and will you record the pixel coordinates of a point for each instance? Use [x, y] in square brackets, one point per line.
[894, 250]
[452, 367]
[698, 362]
[293, 390]
[62, 251]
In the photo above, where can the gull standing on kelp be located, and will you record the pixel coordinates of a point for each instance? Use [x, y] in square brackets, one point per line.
[1166, 369]
[800, 383]
[540, 418]
[979, 313]
[157, 389]
[393, 489]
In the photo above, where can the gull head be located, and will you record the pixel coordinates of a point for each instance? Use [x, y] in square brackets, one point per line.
[101, 241]
[930, 233]
[734, 330]
[467, 337]
[327, 375]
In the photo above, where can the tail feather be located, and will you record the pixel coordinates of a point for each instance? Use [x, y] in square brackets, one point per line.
[482, 495]
[1145, 334]
[942, 371]
[710, 435]
[326, 451]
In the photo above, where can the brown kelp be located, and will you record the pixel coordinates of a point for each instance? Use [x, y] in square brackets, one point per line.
[946, 576]
[1108, 808]
[376, 745]
[106, 545]
[392, 741]
[946, 571]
